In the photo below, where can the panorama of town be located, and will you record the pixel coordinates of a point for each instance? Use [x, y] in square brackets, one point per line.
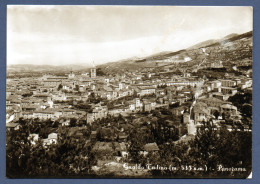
[165, 119]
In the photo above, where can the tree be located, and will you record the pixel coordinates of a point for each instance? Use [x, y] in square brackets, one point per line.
[206, 142]
[60, 87]
[216, 114]
[27, 94]
[137, 140]
[100, 72]
[135, 94]
[209, 148]
[77, 88]
[73, 122]
[246, 110]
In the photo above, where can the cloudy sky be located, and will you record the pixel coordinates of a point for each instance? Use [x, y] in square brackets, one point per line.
[59, 35]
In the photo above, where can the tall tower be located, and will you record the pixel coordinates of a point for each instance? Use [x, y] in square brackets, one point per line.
[93, 72]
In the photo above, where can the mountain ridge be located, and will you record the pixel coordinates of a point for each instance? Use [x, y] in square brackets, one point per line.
[181, 56]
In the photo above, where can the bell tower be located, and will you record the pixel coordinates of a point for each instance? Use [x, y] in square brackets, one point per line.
[93, 71]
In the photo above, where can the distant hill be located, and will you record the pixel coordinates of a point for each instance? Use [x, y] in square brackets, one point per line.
[202, 44]
[231, 49]
[45, 68]
[230, 38]
[218, 50]
[230, 35]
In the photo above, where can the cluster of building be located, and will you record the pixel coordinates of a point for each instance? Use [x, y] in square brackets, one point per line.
[56, 97]
[47, 97]
[213, 104]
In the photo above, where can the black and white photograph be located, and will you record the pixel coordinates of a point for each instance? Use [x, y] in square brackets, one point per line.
[117, 91]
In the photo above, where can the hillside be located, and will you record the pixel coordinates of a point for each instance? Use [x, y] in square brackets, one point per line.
[231, 50]
[30, 67]
[28, 70]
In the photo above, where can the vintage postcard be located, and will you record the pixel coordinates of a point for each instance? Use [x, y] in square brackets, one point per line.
[129, 91]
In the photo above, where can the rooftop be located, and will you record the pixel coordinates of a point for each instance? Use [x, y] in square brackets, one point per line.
[151, 147]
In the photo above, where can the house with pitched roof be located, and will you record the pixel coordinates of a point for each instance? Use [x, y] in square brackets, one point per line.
[13, 126]
[52, 139]
[149, 148]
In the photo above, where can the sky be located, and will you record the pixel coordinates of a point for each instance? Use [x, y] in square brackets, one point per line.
[73, 34]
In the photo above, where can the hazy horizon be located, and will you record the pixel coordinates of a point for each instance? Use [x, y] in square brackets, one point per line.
[67, 35]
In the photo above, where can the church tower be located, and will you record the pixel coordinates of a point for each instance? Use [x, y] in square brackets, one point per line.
[93, 71]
